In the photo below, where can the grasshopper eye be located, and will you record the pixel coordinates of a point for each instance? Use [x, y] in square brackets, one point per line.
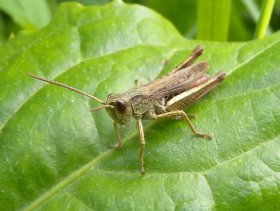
[121, 105]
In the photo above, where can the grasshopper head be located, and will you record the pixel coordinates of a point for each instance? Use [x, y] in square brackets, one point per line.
[121, 111]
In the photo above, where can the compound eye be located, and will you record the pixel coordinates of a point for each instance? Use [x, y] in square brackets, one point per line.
[120, 105]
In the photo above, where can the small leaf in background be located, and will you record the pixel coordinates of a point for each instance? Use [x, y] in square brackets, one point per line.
[181, 13]
[29, 14]
[54, 152]
[86, 2]
[213, 20]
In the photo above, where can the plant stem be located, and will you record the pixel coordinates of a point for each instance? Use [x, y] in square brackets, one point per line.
[264, 18]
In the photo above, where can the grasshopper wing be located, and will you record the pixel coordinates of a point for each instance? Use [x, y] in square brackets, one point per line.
[185, 99]
[176, 82]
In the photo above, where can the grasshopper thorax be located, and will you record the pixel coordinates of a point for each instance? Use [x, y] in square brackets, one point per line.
[121, 111]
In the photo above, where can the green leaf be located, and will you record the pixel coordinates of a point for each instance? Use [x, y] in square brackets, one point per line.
[87, 2]
[239, 29]
[181, 13]
[54, 152]
[29, 14]
[213, 20]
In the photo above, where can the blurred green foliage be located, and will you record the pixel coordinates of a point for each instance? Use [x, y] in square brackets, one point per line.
[238, 22]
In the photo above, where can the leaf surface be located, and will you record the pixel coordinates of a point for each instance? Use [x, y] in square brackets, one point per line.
[54, 152]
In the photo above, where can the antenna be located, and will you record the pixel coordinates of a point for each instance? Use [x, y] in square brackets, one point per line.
[67, 87]
[100, 107]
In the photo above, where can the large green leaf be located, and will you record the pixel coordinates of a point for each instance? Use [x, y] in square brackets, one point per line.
[54, 152]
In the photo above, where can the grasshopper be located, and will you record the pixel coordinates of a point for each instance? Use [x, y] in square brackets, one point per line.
[162, 98]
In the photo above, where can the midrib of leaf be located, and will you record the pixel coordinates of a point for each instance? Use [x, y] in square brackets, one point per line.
[73, 176]
[80, 172]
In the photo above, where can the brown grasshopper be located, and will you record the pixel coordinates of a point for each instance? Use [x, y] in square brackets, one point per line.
[162, 98]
